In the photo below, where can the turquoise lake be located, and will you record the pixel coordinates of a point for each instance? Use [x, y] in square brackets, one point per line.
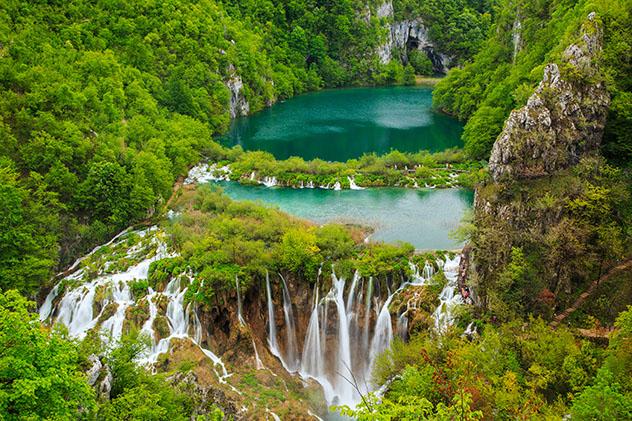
[423, 218]
[339, 124]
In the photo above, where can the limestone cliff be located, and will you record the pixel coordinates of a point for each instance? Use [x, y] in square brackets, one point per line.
[407, 35]
[238, 105]
[535, 244]
[563, 119]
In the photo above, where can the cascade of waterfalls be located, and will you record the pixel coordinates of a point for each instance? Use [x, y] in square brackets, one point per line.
[449, 297]
[349, 326]
[359, 337]
[101, 302]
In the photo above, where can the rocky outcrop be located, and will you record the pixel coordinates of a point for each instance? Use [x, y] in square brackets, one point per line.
[385, 50]
[100, 377]
[563, 119]
[523, 215]
[238, 104]
[408, 35]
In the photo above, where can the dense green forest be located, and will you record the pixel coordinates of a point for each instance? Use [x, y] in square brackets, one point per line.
[104, 105]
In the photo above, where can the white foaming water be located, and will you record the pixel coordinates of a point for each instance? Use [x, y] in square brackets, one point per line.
[358, 340]
[269, 181]
[76, 308]
[383, 334]
[205, 172]
[313, 362]
[258, 363]
[240, 317]
[272, 335]
[449, 297]
[353, 185]
[291, 351]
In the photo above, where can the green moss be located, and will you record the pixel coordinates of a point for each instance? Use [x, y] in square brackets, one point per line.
[161, 327]
[139, 288]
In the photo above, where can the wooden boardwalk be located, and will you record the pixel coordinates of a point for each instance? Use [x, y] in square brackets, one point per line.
[626, 265]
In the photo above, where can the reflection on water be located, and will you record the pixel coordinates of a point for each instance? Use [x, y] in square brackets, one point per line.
[339, 124]
[422, 218]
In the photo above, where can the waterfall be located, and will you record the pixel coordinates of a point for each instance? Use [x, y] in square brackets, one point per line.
[113, 327]
[449, 297]
[356, 341]
[351, 297]
[269, 181]
[47, 306]
[402, 325]
[312, 364]
[428, 271]
[240, 317]
[367, 313]
[272, 334]
[292, 358]
[258, 364]
[353, 323]
[337, 186]
[353, 185]
[109, 291]
[383, 334]
[75, 310]
[344, 389]
[148, 326]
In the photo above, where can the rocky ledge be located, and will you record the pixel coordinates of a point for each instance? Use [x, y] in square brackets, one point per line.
[563, 119]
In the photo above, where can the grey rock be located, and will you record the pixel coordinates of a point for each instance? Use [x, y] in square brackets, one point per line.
[562, 121]
[408, 35]
[94, 371]
[238, 104]
[105, 386]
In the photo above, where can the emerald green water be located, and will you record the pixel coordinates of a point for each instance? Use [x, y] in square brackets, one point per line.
[423, 218]
[337, 125]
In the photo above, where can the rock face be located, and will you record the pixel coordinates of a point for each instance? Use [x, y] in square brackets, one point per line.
[561, 126]
[563, 119]
[385, 51]
[408, 35]
[99, 377]
[238, 104]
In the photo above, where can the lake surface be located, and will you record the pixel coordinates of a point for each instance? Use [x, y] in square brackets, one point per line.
[423, 218]
[337, 125]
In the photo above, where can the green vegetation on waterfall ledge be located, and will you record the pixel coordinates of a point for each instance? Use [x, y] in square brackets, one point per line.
[444, 169]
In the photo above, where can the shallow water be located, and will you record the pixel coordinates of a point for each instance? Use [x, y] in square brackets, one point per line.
[423, 218]
[340, 124]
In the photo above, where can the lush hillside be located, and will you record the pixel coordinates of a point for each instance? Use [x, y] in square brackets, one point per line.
[103, 105]
[526, 36]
